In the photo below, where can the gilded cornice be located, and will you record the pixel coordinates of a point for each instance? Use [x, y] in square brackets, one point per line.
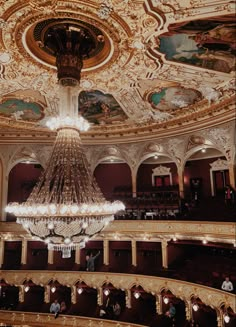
[44, 319]
[222, 232]
[213, 115]
[154, 285]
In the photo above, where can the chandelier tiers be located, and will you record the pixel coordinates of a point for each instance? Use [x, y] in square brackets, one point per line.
[66, 207]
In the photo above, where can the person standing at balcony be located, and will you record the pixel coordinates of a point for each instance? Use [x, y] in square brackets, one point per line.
[227, 285]
[91, 261]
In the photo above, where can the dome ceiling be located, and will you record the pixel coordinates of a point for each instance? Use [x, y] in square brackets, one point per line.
[147, 65]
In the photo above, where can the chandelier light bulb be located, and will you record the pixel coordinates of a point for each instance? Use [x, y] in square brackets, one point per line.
[137, 295]
[50, 225]
[195, 307]
[27, 288]
[106, 292]
[67, 240]
[226, 318]
[80, 290]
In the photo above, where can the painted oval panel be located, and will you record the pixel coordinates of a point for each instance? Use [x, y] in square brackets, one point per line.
[100, 108]
[21, 110]
[173, 98]
[207, 43]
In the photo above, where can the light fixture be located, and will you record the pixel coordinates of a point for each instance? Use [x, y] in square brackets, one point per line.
[203, 150]
[166, 300]
[137, 295]
[195, 307]
[80, 290]
[226, 318]
[53, 289]
[66, 207]
[106, 292]
[26, 288]
[204, 241]
[156, 156]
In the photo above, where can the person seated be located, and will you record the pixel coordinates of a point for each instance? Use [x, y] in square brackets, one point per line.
[55, 308]
[227, 285]
[171, 312]
[116, 310]
[63, 307]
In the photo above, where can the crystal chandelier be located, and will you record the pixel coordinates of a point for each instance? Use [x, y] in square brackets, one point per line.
[66, 207]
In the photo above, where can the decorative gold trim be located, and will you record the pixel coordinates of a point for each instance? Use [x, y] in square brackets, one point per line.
[44, 319]
[154, 285]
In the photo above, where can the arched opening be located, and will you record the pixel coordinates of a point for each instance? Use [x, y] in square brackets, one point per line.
[22, 178]
[113, 176]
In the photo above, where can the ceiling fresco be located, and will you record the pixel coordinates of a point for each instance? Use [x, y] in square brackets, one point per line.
[154, 63]
[173, 98]
[204, 43]
[20, 110]
[100, 108]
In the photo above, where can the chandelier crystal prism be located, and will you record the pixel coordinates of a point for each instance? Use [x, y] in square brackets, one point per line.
[66, 207]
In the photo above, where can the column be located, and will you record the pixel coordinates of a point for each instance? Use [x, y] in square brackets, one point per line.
[77, 255]
[232, 175]
[24, 252]
[159, 304]
[188, 310]
[3, 192]
[164, 248]
[21, 293]
[181, 182]
[47, 290]
[128, 299]
[134, 183]
[2, 246]
[220, 318]
[50, 257]
[73, 294]
[100, 296]
[134, 252]
[106, 252]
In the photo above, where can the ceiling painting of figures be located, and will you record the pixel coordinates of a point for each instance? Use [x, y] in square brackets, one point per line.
[209, 44]
[172, 98]
[100, 108]
[21, 110]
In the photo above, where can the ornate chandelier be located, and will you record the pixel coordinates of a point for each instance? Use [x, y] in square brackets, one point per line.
[66, 207]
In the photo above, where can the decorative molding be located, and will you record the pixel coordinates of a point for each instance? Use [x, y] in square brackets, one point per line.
[44, 319]
[154, 285]
[156, 231]
[217, 165]
[161, 171]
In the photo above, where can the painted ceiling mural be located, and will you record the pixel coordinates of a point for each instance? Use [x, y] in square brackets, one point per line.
[21, 110]
[100, 108]
[162, 63]
[172, 98]
[209, 43]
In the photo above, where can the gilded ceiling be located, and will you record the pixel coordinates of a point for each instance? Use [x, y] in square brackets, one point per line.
[154, 64]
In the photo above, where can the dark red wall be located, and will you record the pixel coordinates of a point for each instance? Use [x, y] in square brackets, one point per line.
[144, 176]
[22, 178]
[12, 255]
[120, 256]
[37, 255]
[110, 176]
[199, 168]
[149, 257]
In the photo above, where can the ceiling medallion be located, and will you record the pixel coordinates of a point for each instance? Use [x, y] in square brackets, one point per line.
[46, 38]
